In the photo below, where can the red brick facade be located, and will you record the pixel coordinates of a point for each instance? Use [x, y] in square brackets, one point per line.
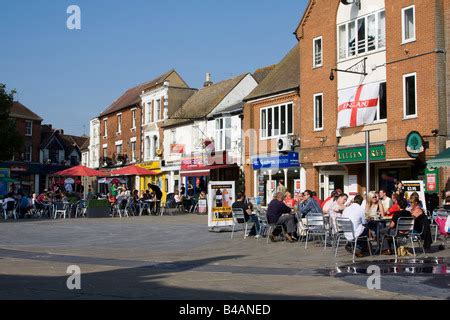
[424, 57]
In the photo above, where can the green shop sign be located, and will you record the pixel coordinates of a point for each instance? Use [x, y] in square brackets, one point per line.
[377, 153]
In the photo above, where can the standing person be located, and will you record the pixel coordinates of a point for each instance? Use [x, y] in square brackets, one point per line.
[281, 188]
[280, 214]
[115, 189]
[399, 188]
[183, 190]
[357, 216]
[190, 189]
[385, 200]
[248, 214]
[309, 204]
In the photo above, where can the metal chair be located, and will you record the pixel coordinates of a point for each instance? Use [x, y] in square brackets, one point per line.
[60, 209]
[81, 209]
[315, 226]
[239, 219]
[404, 230]
[345, 226]
[11, 209]
[122, 208]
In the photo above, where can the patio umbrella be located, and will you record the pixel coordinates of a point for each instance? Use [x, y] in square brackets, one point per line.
[133, 171]
[81, 171]
[157, 191]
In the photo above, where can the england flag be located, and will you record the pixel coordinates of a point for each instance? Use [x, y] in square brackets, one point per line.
[358, 105]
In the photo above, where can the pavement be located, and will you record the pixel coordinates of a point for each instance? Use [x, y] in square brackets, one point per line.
[177, 258]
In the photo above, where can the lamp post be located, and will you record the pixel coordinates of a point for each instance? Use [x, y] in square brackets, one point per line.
[367, 132]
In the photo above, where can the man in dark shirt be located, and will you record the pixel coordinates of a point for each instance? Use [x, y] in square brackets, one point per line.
[403, 204]
[248, 214]
[280, 214]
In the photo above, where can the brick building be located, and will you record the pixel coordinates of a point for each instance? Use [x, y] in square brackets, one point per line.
[271, 128]
[24, 167]
[130, 128]
[403, 72]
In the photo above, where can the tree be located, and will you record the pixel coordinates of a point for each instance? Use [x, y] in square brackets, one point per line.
[11, 141]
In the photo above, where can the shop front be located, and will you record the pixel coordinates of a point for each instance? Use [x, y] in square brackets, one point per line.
[194, 172]
[349, 174]
[159, 179]
[25, 177]
[270, 170]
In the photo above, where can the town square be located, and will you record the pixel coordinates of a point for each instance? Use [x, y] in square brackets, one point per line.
[175, 156]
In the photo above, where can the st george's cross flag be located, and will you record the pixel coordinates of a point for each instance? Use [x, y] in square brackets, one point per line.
[358, 105]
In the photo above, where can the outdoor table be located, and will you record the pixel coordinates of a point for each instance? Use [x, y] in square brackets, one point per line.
[381, 223]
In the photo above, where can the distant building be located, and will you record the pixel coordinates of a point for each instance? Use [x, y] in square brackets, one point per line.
[24, 168]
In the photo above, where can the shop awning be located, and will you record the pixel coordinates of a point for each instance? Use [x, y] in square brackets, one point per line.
[195, 173]
[134, 171]
[441, 161]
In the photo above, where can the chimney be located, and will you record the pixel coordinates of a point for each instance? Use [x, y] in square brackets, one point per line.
[208, 81]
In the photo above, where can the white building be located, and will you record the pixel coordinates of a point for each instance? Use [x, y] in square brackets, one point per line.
[93, 160]
[208, 121]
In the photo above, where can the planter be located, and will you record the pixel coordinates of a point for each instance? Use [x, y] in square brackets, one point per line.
[95, 213]
[98, 209]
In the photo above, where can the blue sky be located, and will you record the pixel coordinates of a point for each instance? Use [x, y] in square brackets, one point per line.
[70, 76]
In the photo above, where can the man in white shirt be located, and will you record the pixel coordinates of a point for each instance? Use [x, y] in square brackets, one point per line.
[387, 202]
[357, 215]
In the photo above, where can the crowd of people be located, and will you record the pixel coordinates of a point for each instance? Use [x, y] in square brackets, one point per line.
[366, 214]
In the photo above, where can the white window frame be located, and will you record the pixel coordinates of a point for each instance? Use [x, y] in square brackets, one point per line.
[221, 134]
[287, 134]
[414, 116]
[26, 128]
[315, 53]
[133, 141]
[133, 118]
[366, 52]
[316, 129]
[157, 110]
[119, 123]
[30, 158]
[149, 113]
[404, 40]
[105, 128]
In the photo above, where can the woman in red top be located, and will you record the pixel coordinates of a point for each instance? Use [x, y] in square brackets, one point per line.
[395, 208]
[289, 201]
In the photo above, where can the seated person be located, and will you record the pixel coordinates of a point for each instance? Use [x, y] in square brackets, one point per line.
[203, 196]
[178, 199]
[289, 201]
[247, 208]
[422, 224]
[309, 205]
[280, 214]
[390, 231]
[357, 216]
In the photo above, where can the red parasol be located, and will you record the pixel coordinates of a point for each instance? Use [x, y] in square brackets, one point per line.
[133, 171]
[81, 171]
